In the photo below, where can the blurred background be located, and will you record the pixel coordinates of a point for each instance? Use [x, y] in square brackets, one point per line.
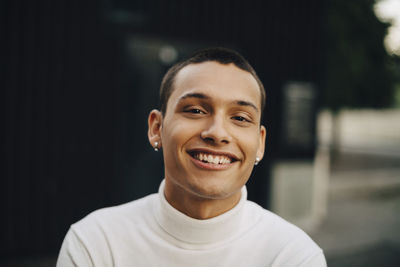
[79, 78]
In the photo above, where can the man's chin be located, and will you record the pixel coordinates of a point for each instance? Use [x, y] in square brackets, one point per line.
[212, 191]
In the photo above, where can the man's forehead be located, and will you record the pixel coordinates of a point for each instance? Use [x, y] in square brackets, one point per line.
[209, 67]
[202, 74]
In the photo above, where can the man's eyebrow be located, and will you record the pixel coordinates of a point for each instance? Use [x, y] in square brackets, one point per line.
[194, 95]
[246, 103]
[203, 96]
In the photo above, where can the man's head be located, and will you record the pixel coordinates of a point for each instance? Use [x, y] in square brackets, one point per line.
[210, 130]
[221, 55]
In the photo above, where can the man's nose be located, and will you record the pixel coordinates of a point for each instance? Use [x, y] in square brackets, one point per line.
[216, 131]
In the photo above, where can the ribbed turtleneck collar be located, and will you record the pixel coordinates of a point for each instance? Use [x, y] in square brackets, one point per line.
[193, 233]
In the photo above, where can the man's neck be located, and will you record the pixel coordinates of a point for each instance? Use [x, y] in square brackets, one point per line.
[199, 207]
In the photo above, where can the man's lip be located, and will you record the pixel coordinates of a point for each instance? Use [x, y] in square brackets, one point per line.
[232, 156]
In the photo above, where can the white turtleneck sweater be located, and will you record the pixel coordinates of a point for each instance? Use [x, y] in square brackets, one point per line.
[150, 232]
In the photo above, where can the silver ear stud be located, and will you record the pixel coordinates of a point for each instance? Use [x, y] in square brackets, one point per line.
[257, 161]
[156, 146]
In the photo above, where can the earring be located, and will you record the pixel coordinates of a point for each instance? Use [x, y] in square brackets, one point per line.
[257, 161]
[156, 146]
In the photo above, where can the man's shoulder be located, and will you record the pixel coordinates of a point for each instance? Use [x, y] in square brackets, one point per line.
[104, 233]
[277, 228]
[292, 245]
[127, 214]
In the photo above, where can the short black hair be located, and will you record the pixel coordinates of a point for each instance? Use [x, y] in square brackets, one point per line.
[221, 55]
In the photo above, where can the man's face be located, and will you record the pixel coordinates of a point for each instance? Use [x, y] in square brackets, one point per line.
[211, 132]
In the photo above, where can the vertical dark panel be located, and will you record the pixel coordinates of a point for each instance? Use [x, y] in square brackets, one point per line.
[59, 117]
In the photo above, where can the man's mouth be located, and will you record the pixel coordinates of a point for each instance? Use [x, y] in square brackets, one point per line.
[212, 158]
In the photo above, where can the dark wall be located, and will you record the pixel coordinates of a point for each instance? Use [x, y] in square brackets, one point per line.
[60, 104]
[74, 98]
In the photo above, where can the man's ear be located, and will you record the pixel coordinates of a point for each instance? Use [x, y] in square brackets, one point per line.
[261, 146]
[155, 126]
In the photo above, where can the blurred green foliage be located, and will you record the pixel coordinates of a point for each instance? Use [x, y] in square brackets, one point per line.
[359, 72]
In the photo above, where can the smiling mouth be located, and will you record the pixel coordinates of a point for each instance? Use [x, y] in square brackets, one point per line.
[211, 158]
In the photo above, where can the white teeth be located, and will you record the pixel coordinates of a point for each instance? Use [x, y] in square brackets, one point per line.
[212, 159]
[216, 160]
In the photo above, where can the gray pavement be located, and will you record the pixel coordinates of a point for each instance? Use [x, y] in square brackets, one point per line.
[362, 227]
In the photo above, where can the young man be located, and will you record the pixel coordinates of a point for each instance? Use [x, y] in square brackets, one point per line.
[209, 130]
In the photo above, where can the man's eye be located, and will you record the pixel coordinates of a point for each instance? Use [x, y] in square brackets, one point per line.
[194, 111]
[240, 118]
